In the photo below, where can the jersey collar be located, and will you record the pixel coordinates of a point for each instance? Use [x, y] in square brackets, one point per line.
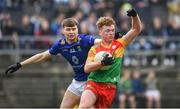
[75, 40]
[105, 46]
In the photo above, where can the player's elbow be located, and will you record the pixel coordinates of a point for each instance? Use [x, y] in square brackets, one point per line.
[86, 69]
[136, 31]
[139, 28]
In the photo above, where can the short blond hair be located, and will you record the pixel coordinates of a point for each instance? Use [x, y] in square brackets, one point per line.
[107, 21]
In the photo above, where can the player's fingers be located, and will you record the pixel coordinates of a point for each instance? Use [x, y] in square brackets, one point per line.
[11, 71]
[106, 55]
[110, 58]
[6, 72]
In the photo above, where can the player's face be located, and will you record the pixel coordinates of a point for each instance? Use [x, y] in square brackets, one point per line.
[70, 32]
[107, 33]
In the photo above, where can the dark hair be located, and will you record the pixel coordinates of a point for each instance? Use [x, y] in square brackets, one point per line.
[69, 22]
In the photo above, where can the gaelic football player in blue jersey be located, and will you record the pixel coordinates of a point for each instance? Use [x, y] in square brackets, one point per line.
[74, 48]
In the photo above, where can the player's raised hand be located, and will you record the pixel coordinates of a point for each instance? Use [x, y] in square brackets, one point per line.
[131, 13]
[13, 68]
[107, 60]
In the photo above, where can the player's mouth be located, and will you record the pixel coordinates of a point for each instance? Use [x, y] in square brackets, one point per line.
[71, 36]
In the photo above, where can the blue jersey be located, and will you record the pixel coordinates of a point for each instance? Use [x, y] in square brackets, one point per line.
[75, 53]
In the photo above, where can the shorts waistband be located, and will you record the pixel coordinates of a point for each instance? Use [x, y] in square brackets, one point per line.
[106, 84]
[110, 84]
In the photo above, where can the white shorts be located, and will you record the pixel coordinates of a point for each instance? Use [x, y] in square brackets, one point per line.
[77, 87]
[152, 93]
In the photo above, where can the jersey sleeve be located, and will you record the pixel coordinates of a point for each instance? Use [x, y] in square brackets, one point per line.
[122, 41]
[54, 50]
[91, 54]
[89, 40]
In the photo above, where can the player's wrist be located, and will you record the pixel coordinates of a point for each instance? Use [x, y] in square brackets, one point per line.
[18, 64]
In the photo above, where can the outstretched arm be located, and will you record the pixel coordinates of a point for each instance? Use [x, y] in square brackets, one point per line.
[34, 59]
[135, 27]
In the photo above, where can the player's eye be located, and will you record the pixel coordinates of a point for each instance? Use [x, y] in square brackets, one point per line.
[68, 29]
[73, 29]
[110, 30]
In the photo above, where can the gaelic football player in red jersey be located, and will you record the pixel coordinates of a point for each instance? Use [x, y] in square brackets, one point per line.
[101, 85]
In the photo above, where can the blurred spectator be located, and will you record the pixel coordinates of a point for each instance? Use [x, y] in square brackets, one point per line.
[8, 27]
[2, 5]
[78, 16]
[100, 8]
[108, 13]
[8, 30]
[152, 90]
[56, 25]
[45, 28]
[42, 40]
[124, 27]
[157, 27]
[158, 33]
[143, 10]
[72, 8]
[125, 89]
[138, 88]
[13, 4]
[158, 8]
[36, 21]
[122, 10]
[26, 31]
[26, 28]
[173, 28]
[84, 27]
[85, 7]
[91, 23]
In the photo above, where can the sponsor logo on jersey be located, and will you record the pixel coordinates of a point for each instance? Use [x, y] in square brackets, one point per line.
[72, 50]
[114, 47]
[65, 50]
[79, 48]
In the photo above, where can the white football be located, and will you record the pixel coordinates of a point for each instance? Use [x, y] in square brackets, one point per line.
[99, 56]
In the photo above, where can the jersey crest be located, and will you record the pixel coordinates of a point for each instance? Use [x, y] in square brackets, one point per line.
[62, 42]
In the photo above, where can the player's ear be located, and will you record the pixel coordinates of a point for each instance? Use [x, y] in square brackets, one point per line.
[100, 32]
[62, 30]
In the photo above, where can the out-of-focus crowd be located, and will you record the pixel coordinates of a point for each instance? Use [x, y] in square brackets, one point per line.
[41, 19]
[137, 90]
